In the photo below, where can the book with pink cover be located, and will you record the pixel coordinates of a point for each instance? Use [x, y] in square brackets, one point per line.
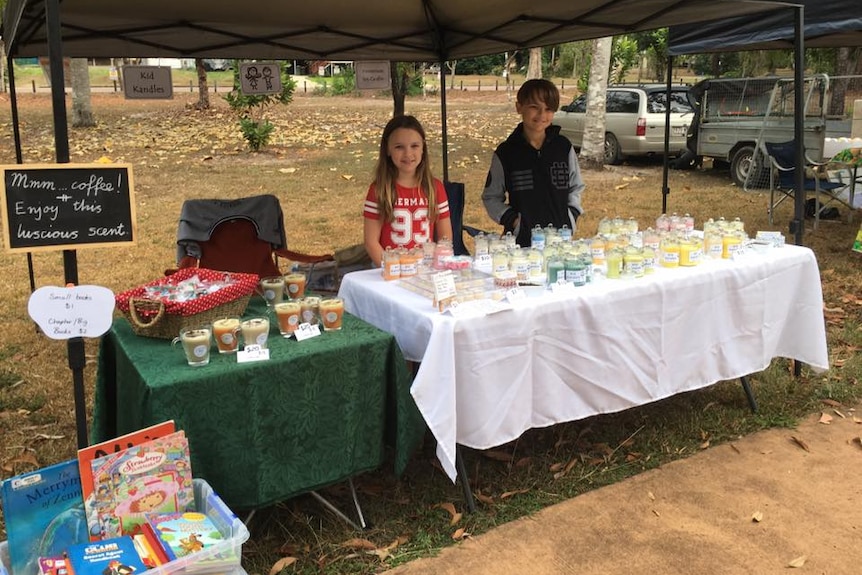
[87, 454]
[153, 477]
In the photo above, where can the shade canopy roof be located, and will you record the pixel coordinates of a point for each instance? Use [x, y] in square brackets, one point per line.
[403, 30]
[828, 24]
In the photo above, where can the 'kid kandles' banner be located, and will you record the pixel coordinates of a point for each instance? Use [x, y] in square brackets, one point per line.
[67, 206]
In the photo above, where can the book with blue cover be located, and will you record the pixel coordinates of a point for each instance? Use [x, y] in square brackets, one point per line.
[44, 513]
[115, 556]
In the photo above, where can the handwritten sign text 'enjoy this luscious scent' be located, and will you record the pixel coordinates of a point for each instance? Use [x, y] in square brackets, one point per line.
[67, 206]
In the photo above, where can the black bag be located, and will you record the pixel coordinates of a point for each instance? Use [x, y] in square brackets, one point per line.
[826, 213]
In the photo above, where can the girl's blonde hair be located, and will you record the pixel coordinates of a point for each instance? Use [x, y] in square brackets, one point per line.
[386, 172]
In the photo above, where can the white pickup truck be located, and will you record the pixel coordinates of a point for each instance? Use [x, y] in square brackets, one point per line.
[735, 116]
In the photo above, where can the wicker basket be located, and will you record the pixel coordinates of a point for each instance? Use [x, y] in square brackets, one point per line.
[155, 318]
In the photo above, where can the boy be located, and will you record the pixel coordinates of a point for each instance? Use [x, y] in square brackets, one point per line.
[537, 167]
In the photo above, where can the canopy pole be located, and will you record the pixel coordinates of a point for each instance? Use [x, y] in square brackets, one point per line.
[13, 100]
[75, 345]
[444, 132]
[665, 190]
[19, 156]
[797, 225]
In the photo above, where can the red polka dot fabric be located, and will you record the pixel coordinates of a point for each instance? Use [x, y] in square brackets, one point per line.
[237, 286]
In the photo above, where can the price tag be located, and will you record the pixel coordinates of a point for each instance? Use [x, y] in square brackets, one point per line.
[562, 286]
[306, 330]
[516, 294]
[67, 312]
[444, 285]
[483, 263]
[252, 352]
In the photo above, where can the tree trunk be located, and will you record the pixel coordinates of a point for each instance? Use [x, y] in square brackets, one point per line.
[82, 109]
[2, 66]
[203, 87]
[399, 88]
[844, 67]
[534, 68]
[451, 64]
[593, 148]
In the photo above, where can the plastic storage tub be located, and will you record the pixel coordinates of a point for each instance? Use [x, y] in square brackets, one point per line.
[208, 502]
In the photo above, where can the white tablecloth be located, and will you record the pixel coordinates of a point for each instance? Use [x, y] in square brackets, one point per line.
[606, 347]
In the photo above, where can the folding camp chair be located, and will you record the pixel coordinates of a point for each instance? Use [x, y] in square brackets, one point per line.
[782, 184]
[244, 235]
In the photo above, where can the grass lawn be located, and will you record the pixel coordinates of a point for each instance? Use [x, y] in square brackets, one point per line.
[319, 164]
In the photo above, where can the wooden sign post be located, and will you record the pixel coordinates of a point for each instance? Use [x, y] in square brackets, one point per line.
[65, 207]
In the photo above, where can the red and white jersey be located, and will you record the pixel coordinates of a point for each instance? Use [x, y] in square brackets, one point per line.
[410, 226]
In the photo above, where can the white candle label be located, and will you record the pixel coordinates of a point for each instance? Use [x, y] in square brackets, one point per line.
[444, 285]
[252, 353]
[306, 331]
[516, 294]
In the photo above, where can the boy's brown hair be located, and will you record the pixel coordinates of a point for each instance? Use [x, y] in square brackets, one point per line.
[539, 90]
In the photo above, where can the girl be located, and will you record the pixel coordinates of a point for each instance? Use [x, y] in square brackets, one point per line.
[405, 205]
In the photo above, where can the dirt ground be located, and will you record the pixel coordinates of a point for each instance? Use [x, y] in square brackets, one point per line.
[776, 500]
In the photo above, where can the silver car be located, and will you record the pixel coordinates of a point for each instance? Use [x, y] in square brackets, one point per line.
[634, 121]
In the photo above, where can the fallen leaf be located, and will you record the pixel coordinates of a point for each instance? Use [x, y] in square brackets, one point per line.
[460, 534]
[705, 444]
[358, 543]
[347, 177]
[798, 562]
[455, 516]
[385, 553]
[735, 448]
[825, 418]
[555, 467]
[524, 462]
[622, 186]
[800, 443]
[757, 516]
[839, 414]
[486, 499]
[651, 495]
[656, 513]
[27, 458]
[104, 160]
[279, 565]
[287, 170]
[509, 494]
[831, 402]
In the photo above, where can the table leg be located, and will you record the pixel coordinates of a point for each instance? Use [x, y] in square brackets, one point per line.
[465, 480]
[323, 501]
[748, 393]
[356, 503]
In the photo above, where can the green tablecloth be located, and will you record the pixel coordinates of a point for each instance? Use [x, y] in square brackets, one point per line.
[317, 412]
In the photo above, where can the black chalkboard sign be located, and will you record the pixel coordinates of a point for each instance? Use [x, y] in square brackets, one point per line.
[67, 206]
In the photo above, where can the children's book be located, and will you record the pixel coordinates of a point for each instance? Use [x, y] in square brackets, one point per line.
[153, 477]
[146, 551]
[184, 534]
[88, 454]
[155, 543]
[114, 556]
[53, 566]
[44, 514]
